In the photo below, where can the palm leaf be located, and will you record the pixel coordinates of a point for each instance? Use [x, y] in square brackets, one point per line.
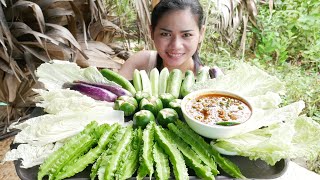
[33, 32]
[143, 10]
[37, 12]
[5, 30]
[60, 32]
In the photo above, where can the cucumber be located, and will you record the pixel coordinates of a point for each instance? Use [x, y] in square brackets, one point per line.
[137, 80]
[188, 81]
[117, 78]
[174, 82]
[163, 78]
[154, 80]
[146, 85]
[203, 74]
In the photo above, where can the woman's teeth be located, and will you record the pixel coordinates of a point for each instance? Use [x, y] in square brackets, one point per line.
[175, 54]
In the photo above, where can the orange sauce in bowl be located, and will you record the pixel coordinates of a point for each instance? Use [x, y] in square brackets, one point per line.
[214, 109]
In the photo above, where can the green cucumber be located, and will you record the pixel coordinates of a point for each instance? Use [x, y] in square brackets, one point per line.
[146, 85]
[163, 78]
[137, 80]
[117, 78]
[154, 80]
[187, 82]
[174, 82]
[203, 74]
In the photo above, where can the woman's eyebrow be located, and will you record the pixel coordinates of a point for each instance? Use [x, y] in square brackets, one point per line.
[164, 29]
[183, 31]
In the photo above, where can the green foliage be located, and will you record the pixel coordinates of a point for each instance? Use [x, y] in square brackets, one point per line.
[287, 45]
[124, 12]
[290, 34]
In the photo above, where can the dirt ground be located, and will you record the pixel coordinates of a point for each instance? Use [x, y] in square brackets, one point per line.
[7, 169]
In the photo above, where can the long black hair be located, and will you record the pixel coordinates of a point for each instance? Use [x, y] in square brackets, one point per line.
[164, 6]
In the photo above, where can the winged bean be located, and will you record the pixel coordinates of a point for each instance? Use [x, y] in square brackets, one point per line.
[114, 161]
[195, 139]
[146, 160]
[202, 151]
[130, 161]
[75, 147]
[74, 167]
[192, 159]
[99, 166]
[175, 156]
[162, 163]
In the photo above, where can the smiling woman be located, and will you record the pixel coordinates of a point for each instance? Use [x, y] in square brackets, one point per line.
[176, 29]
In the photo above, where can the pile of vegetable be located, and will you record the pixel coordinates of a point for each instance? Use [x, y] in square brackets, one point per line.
[119, 152]
[157, 139]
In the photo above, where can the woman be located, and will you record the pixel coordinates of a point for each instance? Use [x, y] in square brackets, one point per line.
[177, 28]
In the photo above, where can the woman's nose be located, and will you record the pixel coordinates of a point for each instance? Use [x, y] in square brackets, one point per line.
[175, 43]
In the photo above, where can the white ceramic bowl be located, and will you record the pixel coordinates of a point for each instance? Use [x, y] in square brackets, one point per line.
[213, 131]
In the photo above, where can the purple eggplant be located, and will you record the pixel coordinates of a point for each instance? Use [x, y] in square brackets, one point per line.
[215, 72]
[94, 92]
[118, 90]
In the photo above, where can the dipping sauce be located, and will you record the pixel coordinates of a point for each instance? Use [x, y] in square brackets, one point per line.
[218, 109]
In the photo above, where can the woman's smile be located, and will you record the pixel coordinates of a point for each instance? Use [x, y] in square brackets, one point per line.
[175, 55]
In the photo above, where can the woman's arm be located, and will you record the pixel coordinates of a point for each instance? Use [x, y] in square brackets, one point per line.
[139, 61]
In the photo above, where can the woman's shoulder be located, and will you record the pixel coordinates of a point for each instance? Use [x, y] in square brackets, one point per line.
[145, 54]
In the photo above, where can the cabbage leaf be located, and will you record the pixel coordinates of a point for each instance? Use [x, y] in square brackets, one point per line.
[53, 75]
[296, 138]
[31, 155]
[273, 132]
[59, 100]
[51, 128]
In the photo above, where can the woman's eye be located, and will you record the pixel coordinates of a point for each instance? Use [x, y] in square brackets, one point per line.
[165, 34]
[187, 35]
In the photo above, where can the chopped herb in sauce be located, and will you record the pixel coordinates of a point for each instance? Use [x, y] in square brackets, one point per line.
[214, 109]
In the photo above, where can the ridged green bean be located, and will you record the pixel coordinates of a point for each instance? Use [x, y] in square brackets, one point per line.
[197, 141]
[161, 162]
[130, 162]
[74, 167]
[179, 167]
[146, 158]
[74, 147]
[182, 130]
[192, 158]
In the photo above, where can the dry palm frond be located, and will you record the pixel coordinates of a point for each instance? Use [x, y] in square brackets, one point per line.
[143, 8]
[229, 17]
[18, 97]
[104, 31]
[99, 55]
[37, 31]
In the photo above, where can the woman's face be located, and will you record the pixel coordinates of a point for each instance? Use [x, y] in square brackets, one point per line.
[176, 38]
